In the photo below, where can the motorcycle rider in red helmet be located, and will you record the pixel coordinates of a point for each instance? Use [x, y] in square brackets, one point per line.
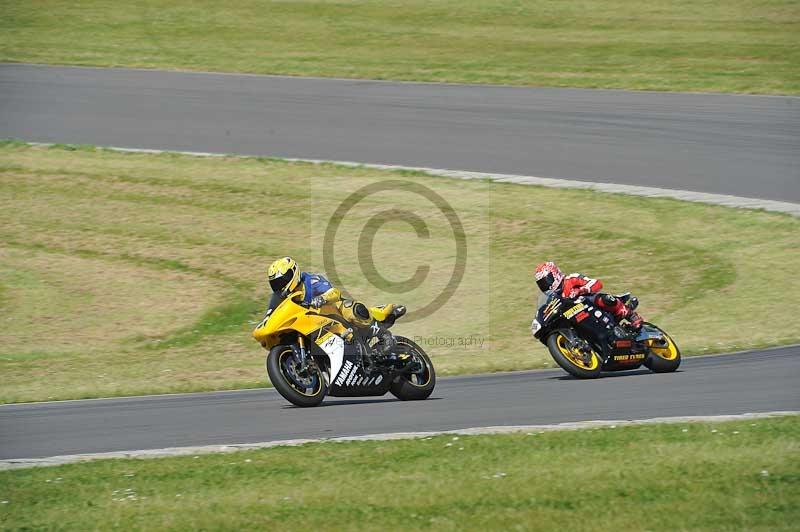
[549, 277]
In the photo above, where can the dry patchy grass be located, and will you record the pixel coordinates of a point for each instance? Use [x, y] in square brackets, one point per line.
[137, 273]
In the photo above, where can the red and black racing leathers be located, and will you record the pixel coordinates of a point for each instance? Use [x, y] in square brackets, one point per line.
[576, 284]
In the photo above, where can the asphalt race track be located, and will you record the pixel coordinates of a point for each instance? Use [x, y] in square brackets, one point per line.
[733, 384]
[739, 145]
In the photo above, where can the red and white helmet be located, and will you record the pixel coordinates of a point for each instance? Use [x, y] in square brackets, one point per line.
[548, 276]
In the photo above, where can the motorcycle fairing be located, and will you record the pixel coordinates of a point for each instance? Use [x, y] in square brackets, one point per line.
[648, 333]
[353, 379]
[595, 324]
[334, 347]
[286, 317]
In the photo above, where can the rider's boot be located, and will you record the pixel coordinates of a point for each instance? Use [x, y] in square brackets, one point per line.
[633, 317]
[635, 320]
[634, 324]
[386, 341]
[385, 348]
[622, 311]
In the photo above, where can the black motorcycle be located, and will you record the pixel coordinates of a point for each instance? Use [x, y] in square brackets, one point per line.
[585, 340]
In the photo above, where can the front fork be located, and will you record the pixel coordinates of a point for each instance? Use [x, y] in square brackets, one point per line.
[301, 353]
[584, 347]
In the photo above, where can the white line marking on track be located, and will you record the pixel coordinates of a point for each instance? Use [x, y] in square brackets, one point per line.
[550, 182]
[234, 447]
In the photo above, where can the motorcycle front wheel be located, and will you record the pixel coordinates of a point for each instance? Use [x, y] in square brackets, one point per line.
[299, 387]
[664, 357]
[419, 383]
[572, 360]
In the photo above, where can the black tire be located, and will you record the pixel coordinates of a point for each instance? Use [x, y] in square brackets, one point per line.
[419, 385]
[667, 362]
[582, 371]
[279, 371]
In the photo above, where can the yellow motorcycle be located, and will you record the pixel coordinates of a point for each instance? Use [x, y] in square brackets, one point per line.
[316, 352]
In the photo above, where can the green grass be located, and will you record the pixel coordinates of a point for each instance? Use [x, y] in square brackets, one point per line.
[749, 46]
[125, 273]
[724, 476]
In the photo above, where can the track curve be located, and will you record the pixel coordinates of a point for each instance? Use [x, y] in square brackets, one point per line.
[733, 384]
[739, 145]
[724, 144]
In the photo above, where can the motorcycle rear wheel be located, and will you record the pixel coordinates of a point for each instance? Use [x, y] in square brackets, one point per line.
[571, 360]
[300, 390]
[418, 385]
[664, 359]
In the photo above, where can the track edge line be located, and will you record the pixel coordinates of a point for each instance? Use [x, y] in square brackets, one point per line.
[22, 463]
[724, 200]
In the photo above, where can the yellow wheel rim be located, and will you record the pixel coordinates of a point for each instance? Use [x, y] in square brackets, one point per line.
[575, 357]
[667, 352]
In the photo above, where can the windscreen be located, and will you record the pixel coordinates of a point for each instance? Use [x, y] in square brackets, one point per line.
[274, 301]
[543, 299]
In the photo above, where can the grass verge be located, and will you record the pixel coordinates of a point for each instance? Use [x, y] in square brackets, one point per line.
[722, 476]
[736, 46]
[130, 273]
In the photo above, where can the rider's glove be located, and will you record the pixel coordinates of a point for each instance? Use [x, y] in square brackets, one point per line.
[317, 302]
